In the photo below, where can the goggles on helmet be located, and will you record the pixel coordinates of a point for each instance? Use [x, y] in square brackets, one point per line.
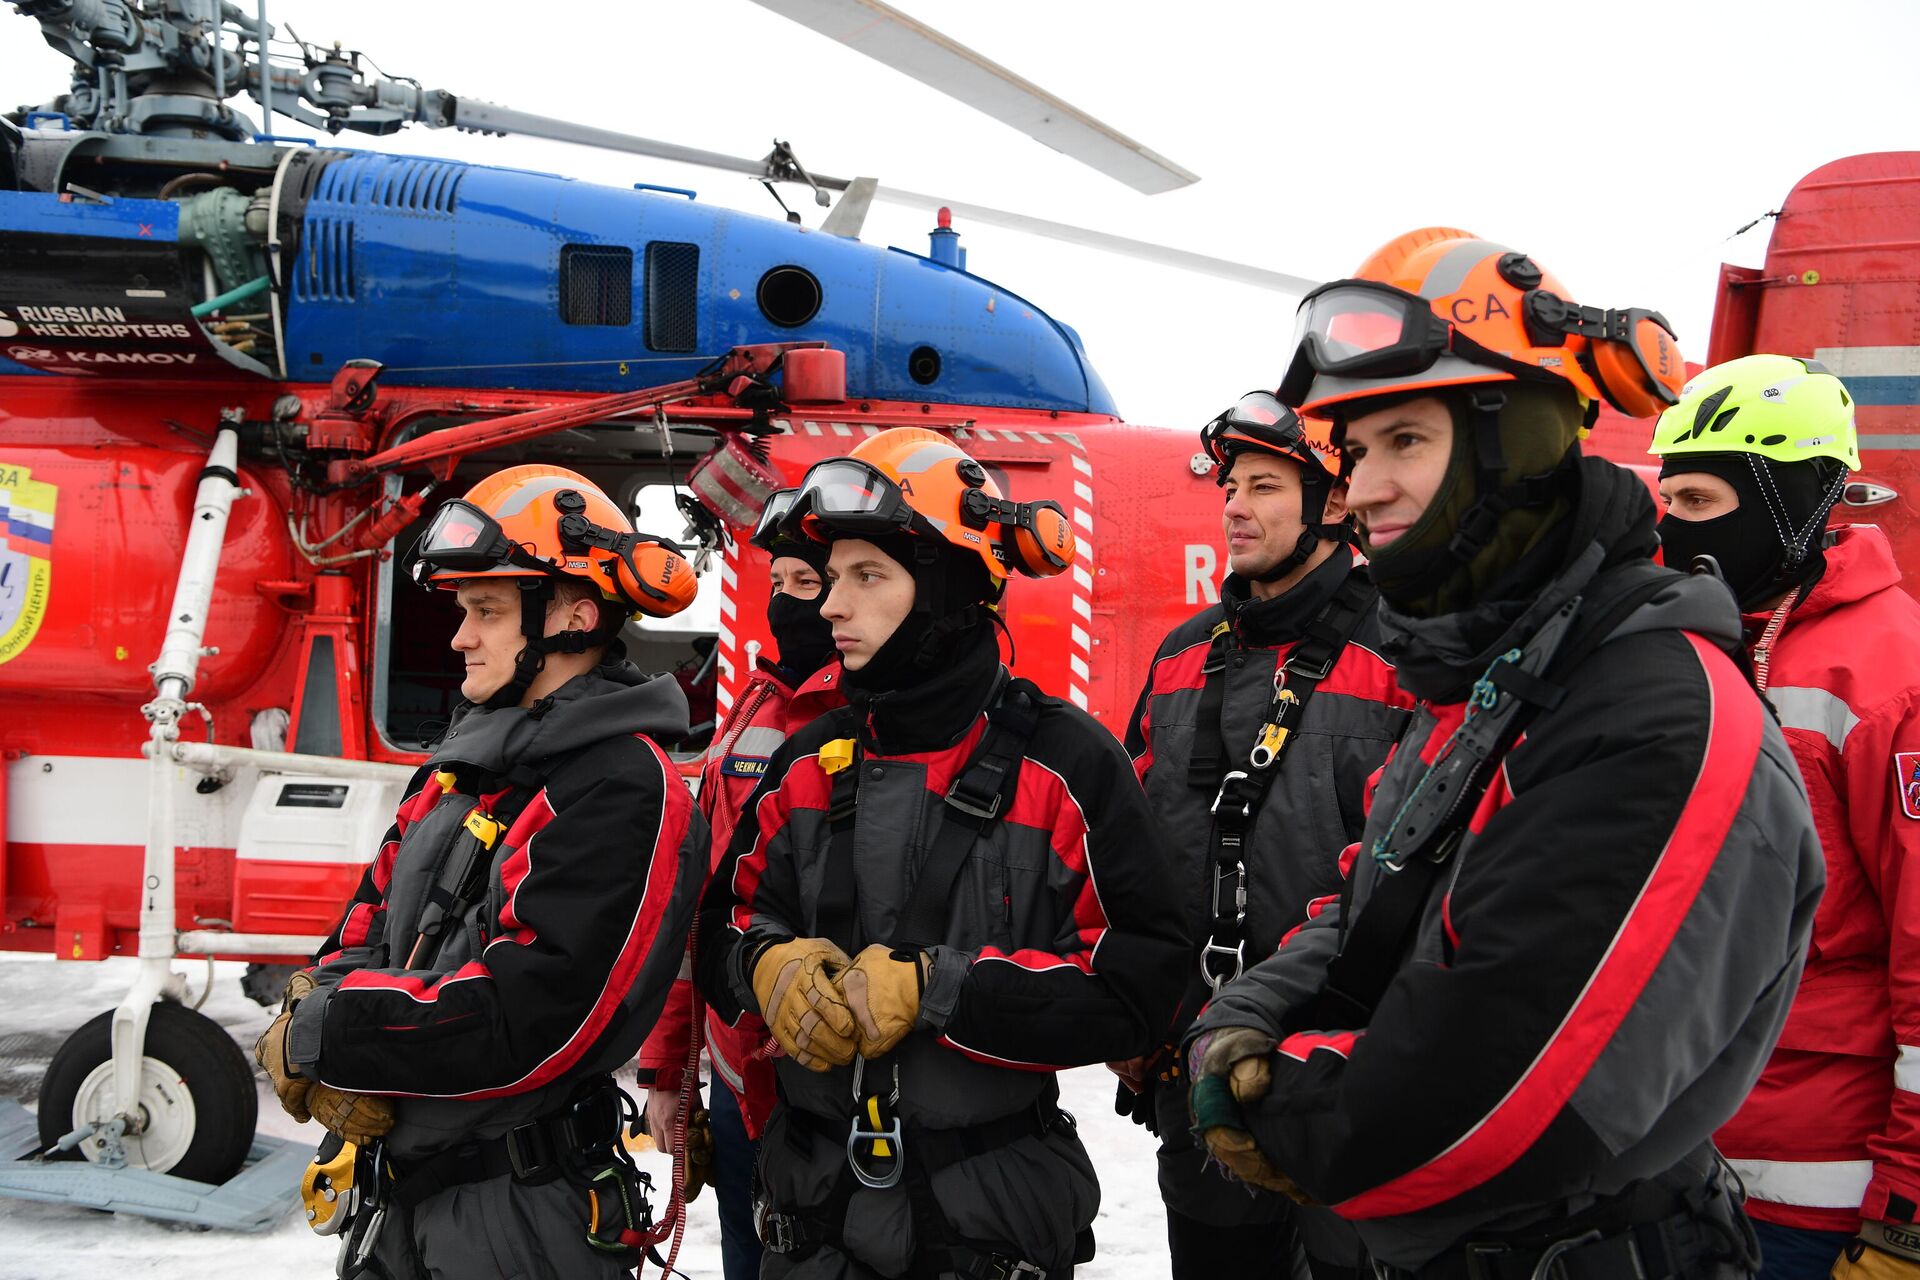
[465, 539]
[1257, 419]
[853, 497]
[1366, 329]
[767, 531]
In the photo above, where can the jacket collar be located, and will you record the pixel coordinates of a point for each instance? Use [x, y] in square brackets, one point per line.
[1859, 564]
[937, 712]
[1282, 619]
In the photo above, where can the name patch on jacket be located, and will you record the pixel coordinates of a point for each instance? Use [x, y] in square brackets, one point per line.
[738, 766]
[1906, 780]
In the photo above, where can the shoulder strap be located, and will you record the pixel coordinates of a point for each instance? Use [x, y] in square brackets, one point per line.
[836, 912]
[1417, 847]
[976, 799]
[1208, 760]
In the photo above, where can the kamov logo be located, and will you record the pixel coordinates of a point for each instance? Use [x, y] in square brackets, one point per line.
[30, 355]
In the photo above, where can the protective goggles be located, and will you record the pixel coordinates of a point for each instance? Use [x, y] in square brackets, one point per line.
[767, 531]
[1259, 420]
[465, 539]
[853, 497]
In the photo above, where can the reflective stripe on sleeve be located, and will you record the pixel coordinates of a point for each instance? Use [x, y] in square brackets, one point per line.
[1906, 1069]
[1813, 1184]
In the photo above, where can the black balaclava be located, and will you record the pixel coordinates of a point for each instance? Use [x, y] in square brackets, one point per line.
[951, 590]
[804, 638]
[1423, 572]
[1772, 542]
[536, 595]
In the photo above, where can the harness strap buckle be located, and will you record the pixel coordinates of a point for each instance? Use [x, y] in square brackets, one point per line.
[984, 812]
[1237, 953]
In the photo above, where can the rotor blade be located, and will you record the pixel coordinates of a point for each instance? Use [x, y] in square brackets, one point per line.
[850, 211]
[889, 36]
[486, 117]
[468, 113]
[1146, 250]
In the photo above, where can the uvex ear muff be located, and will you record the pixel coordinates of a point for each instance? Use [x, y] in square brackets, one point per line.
[650, 578]
[1035, 537]
[1631, 355]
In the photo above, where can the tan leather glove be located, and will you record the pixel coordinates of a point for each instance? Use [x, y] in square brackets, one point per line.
[270, 1051]
[1871, 1256]
[357, 1117]
[1236, 1149]
[883, 990]
[699, 1151]
[794, 983]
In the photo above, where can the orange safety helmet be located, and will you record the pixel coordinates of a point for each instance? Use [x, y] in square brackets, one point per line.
[914, 481]
[546, 522]
[1441, 307]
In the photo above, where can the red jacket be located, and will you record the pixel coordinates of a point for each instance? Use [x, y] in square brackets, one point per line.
[761, 718]
[1831, 1133]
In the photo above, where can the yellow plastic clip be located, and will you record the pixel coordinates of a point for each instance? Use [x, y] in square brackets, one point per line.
[485, 828]
[881, 1147]
[325, 1189]
[445, 778]
[836, 755]
[1220, 629]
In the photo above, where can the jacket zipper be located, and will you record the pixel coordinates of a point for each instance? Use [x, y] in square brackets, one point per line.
[738, 724]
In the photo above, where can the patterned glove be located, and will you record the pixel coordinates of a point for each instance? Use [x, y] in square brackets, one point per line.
[1884, 1251]
[270, 1051]
[357, 1117]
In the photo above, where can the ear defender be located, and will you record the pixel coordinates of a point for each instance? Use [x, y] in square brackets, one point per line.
[655, 580]
[1035, 537]
[1043, 544]
[1632, 355]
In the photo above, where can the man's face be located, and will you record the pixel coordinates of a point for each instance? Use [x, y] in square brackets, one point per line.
[869, 594]
[489, 636]
[792, 576]
[1398, 458]
[1696, 495]
[1261, 518]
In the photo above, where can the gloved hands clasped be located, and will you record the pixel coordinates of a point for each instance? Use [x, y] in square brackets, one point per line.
[1231, 1068]
[1884, 1251]
[357, 1117]
[824, 1008]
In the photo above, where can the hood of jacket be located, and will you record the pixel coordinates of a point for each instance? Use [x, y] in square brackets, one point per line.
[613, 700]
[1601, 550]
[1859, 564]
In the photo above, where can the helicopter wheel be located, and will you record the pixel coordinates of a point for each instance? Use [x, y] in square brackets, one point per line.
[197, 1095]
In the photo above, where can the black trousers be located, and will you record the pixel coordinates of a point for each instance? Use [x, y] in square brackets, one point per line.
[1252, 1251]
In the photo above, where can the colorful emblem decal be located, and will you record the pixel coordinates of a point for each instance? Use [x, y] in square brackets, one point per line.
[1906, 780]
[26, 557]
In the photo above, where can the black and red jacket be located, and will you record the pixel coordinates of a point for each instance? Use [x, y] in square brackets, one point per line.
[561, 965]
[1059, 951]
[1606, 962]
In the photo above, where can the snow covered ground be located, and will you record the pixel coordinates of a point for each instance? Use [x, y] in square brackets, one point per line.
[41, 1001]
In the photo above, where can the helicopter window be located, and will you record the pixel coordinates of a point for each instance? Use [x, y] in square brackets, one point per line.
[596, 284]
[673, 292]
[789, 296]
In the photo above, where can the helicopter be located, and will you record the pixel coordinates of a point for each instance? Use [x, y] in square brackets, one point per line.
[239, 371]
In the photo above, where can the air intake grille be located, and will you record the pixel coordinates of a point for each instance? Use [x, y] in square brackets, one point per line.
[425, 186]
[326, 271]
[596, 284]
[673, 296]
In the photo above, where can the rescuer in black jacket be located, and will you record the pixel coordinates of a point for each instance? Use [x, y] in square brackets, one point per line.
[1584, 892]
[936, 899]
[1257, 830]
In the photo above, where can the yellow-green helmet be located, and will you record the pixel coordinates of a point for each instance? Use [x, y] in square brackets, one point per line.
[1780, 407]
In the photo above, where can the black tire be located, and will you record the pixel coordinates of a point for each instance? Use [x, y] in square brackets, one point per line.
[264, 984]
[226, 1104]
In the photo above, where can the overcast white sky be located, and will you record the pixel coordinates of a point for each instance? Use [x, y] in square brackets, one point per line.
[1620, 143]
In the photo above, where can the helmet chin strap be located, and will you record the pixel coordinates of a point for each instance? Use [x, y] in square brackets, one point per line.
[536, 594]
